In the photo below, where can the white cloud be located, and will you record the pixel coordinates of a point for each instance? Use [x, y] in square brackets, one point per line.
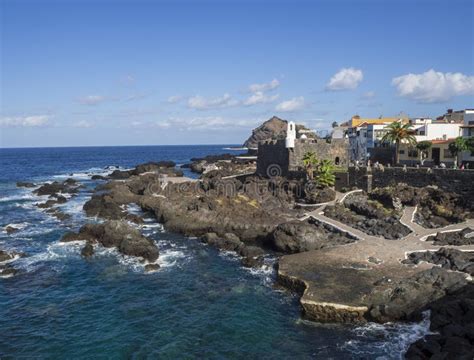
[433, 86]
[82, 124]
[201, 103]
[368, 95]
[92, 100]
[259, 97]
[291, 105]
[264, 86]
[174, 99]
[208, 123]
[345, 79]
[25, 121]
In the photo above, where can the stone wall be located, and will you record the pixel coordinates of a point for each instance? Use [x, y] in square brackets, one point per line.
[273, 154]
[336, 150]
[458, 181]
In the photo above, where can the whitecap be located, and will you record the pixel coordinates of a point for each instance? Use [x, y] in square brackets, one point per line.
[391, 339]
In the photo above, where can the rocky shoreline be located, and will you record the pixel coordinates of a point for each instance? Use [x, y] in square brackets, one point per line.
[351, 261]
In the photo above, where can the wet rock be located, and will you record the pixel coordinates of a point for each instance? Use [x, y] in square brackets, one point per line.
[88, 250]
[119, 234]
[69, 186]
[298, 236]
[404, 299]
[452, 317]
[25, 184]
[103, 206]
[135, 219]
[6, 256]
[11, 229]
[6, 270]
[98, 177]
[151, 267]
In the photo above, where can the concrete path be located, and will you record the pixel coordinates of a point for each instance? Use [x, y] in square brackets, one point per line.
[338, 280]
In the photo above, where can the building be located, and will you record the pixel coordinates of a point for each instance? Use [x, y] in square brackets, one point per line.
[467, 128]
[452, 116]
[425, 129]
[365, 135]
[356, 120]
[284, 157]
[437, 154]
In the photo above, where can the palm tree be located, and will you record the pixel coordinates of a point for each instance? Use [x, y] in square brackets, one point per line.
[398, 133]
[325, 174]
[423, 147]
[459, 145]
[309, 162]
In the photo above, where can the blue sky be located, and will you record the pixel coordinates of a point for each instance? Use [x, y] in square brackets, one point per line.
[154, 72]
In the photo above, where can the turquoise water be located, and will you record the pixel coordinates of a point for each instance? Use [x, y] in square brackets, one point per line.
[200, 304]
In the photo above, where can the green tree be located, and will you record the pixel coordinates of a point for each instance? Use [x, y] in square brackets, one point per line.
[325, 174]
[310, 161]
[398, 133]
[423, 147]
[459, 145]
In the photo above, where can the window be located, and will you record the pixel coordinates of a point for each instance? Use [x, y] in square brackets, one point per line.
[413, 153]
[447, 154]
[421, 133]
[401, 151]
[337, 160]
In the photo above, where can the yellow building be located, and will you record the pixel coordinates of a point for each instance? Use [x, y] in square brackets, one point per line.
[356, 120]
[437, 154]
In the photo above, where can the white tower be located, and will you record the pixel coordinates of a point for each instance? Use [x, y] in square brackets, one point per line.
[290, 135]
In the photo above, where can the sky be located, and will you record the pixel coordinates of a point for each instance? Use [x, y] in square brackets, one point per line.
[88, 73]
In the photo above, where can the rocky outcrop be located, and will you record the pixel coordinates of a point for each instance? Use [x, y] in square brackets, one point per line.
[447, 258]
[457, 238]
[274, 128]
[118, 234]
[6, 268]
[270, 129]
[25, 184]
[69, 186]
[436, 207]
[369, 216]
[160, 167]
[452, 322]
[404, 299]
[252, 256]
[298, 236]
[317, 195]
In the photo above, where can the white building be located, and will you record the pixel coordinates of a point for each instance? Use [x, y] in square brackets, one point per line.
[425, 129]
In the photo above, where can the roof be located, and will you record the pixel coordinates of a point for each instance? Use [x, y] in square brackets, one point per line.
[442, 141]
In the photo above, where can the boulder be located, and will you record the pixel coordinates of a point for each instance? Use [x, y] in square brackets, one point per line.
[11, 229]
[88, 250]
[118, 234]
[25, 184]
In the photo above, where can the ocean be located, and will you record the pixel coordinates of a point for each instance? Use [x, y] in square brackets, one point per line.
[201, 303]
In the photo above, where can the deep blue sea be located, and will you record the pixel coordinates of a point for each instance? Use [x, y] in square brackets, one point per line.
[201, 303]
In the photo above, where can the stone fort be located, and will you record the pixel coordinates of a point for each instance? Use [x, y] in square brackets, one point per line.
[285, 156]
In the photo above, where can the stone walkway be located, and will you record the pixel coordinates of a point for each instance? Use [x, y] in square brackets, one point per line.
[338, 280]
